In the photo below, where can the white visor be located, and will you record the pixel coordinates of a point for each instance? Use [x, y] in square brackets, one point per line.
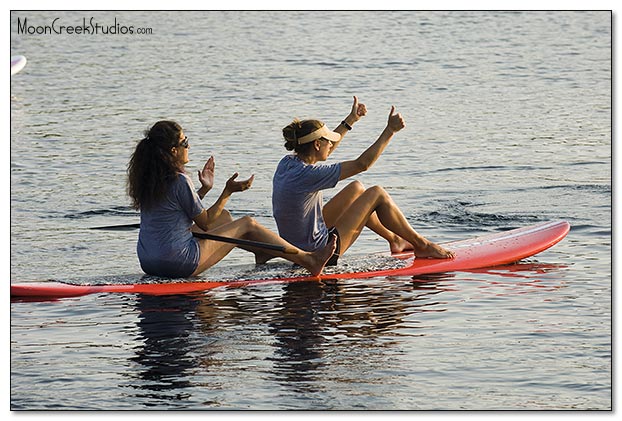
[322, 132]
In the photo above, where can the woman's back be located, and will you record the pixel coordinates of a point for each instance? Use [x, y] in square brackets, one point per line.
[297, 201]
[165, 238]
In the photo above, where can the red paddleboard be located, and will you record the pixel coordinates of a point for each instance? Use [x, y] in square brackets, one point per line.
[480, 252]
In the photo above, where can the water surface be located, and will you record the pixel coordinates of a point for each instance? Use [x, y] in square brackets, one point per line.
[508, 124]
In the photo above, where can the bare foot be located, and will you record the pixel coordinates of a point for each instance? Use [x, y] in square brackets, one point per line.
[399, 245]
[434, 251]
[317, 260]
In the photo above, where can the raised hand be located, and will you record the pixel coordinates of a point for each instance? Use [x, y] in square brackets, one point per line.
[358, 110]
[395, 122]
[206, 176]
[233, 186]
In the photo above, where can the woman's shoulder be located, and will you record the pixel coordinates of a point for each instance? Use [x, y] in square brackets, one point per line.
[288, 162]
[289, 158]
[182, 179]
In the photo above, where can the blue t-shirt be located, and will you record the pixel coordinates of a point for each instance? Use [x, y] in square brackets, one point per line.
[166, 246]
[297, 201]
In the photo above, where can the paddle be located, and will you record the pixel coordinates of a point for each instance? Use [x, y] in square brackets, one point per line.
[117, 227]
[238, 241]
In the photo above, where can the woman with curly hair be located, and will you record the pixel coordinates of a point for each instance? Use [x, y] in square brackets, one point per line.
[170, 209]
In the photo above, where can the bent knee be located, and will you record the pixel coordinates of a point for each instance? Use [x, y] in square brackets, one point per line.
[224, 218]
[377, 191]
[226, 215]
[357, 186]
[248, 221]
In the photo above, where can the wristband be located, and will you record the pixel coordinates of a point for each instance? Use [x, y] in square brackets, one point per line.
[346, 125]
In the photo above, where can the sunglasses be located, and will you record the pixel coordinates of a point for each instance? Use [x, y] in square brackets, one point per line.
[184, 142]
[326, 140]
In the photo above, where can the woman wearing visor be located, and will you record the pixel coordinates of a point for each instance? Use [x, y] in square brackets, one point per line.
[304, 221]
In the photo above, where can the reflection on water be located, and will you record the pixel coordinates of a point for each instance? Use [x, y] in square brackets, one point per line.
[502, 131]
[165, 329]
[300, 334]
[507, 280]
[298, 329]
[299, 337]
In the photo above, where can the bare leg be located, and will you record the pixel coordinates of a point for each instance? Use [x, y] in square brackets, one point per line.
[336, 207]
[246, 227]
[376, 199]
[225, 218]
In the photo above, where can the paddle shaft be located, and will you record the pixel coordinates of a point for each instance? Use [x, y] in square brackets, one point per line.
[238, 241]
[241, 242]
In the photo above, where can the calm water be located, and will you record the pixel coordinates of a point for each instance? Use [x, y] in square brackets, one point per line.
[508, 124]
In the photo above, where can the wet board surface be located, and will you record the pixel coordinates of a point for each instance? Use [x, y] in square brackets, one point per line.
[479, 252]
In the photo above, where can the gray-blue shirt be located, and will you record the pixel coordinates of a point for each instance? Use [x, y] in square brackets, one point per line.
[166, 246]
[297, 200]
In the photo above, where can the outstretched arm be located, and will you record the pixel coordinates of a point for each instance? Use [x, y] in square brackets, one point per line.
[358, 111]
[395, 123]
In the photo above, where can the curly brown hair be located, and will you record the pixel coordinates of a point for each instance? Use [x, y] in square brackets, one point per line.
[152, 167]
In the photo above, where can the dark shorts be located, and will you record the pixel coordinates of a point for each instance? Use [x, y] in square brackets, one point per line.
[335, 257]
[168, 269]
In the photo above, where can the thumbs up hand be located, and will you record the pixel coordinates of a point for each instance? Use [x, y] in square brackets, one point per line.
[395, 122]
